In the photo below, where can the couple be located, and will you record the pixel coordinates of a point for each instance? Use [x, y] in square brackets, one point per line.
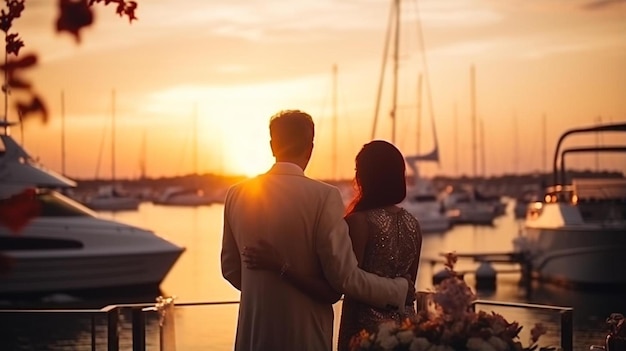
[288, 249]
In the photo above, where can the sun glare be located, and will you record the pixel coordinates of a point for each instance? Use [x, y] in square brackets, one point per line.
[238, 116]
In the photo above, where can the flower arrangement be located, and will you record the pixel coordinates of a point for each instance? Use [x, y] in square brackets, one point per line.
[449, 324]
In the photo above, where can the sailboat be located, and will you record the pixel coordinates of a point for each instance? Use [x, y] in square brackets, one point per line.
[465, 205]
[112, 197]
[187, 196]
[421, 200]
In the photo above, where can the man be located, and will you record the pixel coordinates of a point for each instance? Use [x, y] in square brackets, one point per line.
[303, 219]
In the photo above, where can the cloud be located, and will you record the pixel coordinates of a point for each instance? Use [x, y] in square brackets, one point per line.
[602, 4]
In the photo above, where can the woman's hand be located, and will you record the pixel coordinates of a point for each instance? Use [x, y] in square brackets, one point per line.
[263, 256]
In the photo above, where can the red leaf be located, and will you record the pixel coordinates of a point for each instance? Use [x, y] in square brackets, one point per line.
[19, 209]
[13, 44]
[131, 6]
[15, 8]
[5, 21]
[18, 83]
[23, 62]
[74, 16]
[35, 106]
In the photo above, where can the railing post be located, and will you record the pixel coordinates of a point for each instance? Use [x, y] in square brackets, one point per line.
[567, 328]
[167, 331]
[93, 332]
[139, 329]
[113, 337]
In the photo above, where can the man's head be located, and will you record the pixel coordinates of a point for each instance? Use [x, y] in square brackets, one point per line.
[291, 133]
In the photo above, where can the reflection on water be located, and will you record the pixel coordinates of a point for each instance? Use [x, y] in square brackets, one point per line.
[197, 277]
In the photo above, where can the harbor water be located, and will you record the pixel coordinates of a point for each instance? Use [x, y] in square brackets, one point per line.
[196, 277]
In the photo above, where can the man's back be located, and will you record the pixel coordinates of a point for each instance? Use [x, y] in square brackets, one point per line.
[288, 210]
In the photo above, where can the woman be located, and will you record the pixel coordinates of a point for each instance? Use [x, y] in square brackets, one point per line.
[386, 239]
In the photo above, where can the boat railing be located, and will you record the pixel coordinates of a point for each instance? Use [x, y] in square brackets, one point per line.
[138, 314]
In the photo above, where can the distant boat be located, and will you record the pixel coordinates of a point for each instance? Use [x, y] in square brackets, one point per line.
[421, 200]
[462, 207]
[576, 236]
[66, 247]
[188, 195]
[530, 193]
[112, 197]
[182, 196]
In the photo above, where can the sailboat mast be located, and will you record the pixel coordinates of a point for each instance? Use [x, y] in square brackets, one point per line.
[396, 66]
[598, 141]
[113, 135]
[335, 121]
[473, 105]
[63, 132]
[383, 69]
[482, 149]
[515, 144]
[544, 151]
[142, 158]
[456, 141]
[419, 113]
[195, 139]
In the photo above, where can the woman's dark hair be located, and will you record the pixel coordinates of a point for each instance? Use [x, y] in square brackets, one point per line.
[380, 178]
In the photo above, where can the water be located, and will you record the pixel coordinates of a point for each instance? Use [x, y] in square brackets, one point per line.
[197, 277]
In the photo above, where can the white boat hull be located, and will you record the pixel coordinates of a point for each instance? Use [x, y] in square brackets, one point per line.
[84, 253]
[430, 221]
[471, 213]
[185, 201]
[576, 235]
[80, 273]
[114, 204]
[178, 196]
[579, 257]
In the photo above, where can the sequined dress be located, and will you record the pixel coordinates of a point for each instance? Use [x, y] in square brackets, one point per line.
[392, 248]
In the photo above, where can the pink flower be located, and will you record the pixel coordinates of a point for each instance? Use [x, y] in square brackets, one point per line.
[451, 325]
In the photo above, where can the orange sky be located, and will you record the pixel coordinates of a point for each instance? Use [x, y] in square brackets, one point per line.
[243, 60]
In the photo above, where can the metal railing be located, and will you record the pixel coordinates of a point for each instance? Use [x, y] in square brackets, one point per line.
[139, 312]
[112, 313]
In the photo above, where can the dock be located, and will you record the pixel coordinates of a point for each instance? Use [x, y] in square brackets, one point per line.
[485, 273]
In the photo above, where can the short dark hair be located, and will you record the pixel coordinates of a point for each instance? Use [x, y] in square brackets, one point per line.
[292, 133]
[380, 177]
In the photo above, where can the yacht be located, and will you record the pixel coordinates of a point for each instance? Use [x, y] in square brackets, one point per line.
[530, 193]
[182, 196]
[63, 246]
[112, 198]
[463, 207]
[421, 200]
[576, 236]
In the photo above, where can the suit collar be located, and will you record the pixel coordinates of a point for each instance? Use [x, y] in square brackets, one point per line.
[286, 168]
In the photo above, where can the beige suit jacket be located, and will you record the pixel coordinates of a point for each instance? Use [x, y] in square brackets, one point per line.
[303, 219]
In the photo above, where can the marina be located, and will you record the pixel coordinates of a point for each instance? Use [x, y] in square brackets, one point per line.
[67, 270]
[196, 279]
[129, 259]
